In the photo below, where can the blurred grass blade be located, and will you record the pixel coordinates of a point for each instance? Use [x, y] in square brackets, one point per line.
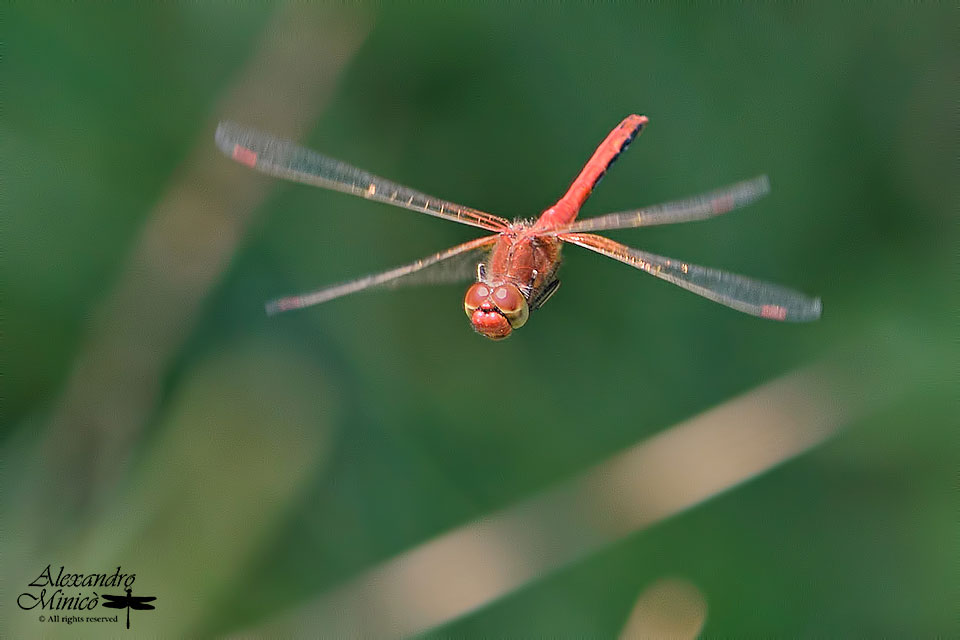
[669, 608]
[473, 565]
[187, 242]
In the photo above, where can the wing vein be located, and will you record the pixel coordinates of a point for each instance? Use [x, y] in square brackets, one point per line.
[738, 292]
[288, 160]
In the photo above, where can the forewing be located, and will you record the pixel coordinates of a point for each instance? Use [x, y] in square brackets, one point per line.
[738, 292]
[453, 265]
[286, 159]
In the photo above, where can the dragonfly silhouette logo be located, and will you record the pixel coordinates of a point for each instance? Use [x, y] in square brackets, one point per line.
[128, 602]
[63, 597]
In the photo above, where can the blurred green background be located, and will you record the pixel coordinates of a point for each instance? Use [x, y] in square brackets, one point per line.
[307, 448]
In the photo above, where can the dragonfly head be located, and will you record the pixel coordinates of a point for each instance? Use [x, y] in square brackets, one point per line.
[495, 310]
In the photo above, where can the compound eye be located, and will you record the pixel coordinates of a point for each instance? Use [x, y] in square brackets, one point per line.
[477, 294]
[511, 304]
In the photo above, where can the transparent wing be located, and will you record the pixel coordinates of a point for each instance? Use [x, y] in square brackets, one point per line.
[738, 292]
[286, 159]
[700, 207]
[453, 265]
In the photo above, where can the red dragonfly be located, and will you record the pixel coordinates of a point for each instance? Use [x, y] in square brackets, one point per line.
[516, 266]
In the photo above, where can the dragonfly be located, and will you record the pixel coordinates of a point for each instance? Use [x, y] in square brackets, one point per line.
[515, 266]
[128, 602]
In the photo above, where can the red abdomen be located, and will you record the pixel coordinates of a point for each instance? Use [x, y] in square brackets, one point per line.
[566, 209]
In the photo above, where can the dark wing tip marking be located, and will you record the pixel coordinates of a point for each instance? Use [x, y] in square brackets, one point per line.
[244, 155]
[229, 138]
[773, 312]
[808, 312]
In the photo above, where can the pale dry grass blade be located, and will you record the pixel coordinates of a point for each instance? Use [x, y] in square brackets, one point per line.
[473, 565]
[182, 250]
